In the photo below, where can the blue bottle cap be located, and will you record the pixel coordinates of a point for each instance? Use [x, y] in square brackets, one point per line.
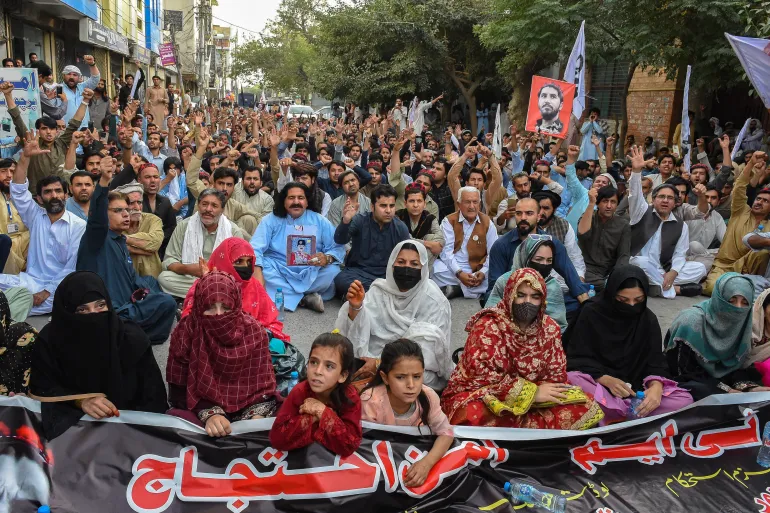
[640, 395]
[279, 289]
[44, 509]
[294, 375]
[507, 486]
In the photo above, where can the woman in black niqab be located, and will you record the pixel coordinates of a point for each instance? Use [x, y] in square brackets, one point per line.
[615, 348]
[92, 352]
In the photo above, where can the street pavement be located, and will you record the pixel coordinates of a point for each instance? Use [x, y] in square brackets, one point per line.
[304, 325]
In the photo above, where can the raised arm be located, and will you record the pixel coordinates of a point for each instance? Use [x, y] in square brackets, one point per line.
[584, 226]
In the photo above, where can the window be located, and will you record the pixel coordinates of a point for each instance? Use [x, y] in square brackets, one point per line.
[139, 24]
[607, 87]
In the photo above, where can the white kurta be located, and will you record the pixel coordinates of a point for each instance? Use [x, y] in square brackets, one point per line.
[649, 256]
[53, 248]
[449, 263]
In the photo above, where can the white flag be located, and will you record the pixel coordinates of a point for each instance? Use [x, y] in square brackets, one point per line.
[686, 143]
[754, 55]
[575, 72]
[739, 140]
[497, 137]
[413, 111]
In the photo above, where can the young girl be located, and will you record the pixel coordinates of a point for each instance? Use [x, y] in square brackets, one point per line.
[397, 397]
[324, 408]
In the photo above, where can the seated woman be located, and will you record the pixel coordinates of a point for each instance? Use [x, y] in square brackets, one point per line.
[760, 336]
[406, 304]
[513, 372]
[87, 349]
[708, 345]
[615, 342]
[536, 253]
[219, 367]
[16, 345]
[235, 257]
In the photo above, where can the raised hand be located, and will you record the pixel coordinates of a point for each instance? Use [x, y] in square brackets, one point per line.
[6, 87]
[356, 294]
[31, 145]
[637, 159]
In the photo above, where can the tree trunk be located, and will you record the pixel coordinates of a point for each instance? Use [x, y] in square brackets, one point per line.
[521, 82]
[469, 93]
[624, 109]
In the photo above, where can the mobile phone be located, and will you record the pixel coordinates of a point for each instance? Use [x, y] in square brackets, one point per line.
[59, 89]
[90, 126]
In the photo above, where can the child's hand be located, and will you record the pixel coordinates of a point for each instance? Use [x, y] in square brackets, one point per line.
[418, 473]
[312, 407]
[217, 425]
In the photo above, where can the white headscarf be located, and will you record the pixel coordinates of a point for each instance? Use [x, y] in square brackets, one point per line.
[192, 247]
[421, 314]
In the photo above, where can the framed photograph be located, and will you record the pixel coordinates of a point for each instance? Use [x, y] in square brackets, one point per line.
[550, 106]
[300, 249]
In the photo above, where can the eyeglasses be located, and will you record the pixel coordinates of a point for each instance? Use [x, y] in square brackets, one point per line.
[120, 210]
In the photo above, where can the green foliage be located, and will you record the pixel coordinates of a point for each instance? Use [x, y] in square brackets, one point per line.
[756, 18]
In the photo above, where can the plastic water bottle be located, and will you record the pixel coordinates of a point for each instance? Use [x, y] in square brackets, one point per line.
[591, 291]
[520, 492]
[293, 382]
[44, 509]
[763, 458]
[279, 303]
[635, 402]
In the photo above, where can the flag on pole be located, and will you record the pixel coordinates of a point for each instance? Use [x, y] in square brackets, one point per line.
[575, 72]
[685, 149]
[413, 111]
[754, 55]
[497, 137]
[739, 140]
[263, 100]
[138, 81]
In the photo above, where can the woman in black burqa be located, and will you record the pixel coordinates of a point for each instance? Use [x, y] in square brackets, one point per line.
[88, 349]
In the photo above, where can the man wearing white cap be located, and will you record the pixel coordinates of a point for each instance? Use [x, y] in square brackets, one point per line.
[73, 87]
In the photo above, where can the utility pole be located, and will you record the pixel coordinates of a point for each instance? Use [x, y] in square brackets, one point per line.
[178, 62]
[202, 18]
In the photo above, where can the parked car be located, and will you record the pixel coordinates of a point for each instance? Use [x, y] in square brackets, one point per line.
[297, 111]
[323, 112]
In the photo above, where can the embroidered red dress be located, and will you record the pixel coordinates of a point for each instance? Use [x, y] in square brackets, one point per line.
[502, 366]
[340, 432]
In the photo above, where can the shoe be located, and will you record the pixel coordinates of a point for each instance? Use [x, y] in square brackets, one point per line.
[690, 290]
[655, 291]
[453, 291]
[313, 302]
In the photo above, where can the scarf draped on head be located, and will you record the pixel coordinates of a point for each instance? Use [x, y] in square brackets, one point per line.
[223, 358]
[604, 339]
[760, 346]
[718, 332]
[254, 298]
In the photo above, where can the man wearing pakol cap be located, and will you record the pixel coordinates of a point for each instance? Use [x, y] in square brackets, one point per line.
[73, 87]
[659, 239]
[144, 236]
[104, 250]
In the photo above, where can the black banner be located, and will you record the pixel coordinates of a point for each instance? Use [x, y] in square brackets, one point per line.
[702, 459]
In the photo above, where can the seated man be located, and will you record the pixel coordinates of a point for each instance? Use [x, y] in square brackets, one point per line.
[81, 188]
[659, 240]
[423, 225]
[373, 236]
[463, 266]
[427, 177]
[104, 251]
[54, 233]
[292, 222]
[224, 180]
[558, 228]
[155, 204]
[603, 237]
[350, 185]
[11, 224]
[751, 257]
[193, 241]
[145, 232]
[249, 192]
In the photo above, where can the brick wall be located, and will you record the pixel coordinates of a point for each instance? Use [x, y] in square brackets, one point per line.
[654, 107]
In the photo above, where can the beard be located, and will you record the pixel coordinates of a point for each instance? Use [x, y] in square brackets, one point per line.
[525, 228]
[544, 222]
[54, 206]
[6, 189]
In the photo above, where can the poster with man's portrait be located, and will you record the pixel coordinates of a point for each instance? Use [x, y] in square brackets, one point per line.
[300, 249]
[550, 106]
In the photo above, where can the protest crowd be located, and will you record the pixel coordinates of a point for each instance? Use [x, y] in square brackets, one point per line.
[164, 223]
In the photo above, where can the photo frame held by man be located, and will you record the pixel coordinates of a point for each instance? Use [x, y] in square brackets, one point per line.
[300, 249]
[550, 106]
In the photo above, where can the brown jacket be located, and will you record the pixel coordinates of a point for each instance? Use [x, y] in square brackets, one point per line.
[477, 244]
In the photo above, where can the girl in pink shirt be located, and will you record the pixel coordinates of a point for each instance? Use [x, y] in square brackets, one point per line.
[397, 397]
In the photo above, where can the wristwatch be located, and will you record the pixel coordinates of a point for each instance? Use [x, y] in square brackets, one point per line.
[329, 258]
